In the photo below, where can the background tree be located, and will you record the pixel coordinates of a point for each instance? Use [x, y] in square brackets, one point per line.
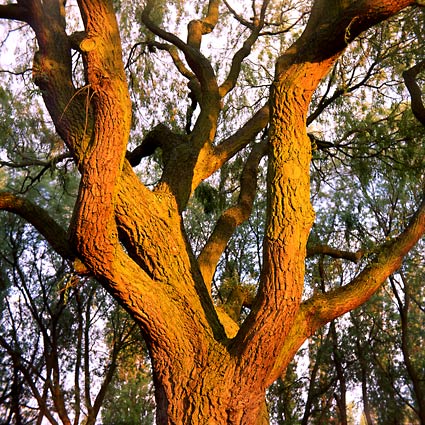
[130, 234]
[56, 366]
[129, 399]
[56, 363]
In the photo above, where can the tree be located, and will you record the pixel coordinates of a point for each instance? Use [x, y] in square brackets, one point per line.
[130, 398]
[207, 368]
[54, 365]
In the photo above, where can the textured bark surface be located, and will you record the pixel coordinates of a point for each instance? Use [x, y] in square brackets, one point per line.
[206, 368]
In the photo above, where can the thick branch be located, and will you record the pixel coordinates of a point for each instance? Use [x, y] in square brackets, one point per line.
[233, 216]
[323, 308]
[198, 28]
[196, 60]
[41, 220]
[415, 91]
[332, 25]
[227, 148]
[173, 52]
[335, 253]
[14, 11]
[160, 137]
[239, 297]
[241, 138]
[161, 252]
[198, 154]
[52, 72]
[335, 24]
[102, 161]
[389, 257]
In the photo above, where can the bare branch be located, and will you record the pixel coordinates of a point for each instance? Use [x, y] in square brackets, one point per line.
[325, 102]
[160, 137]
[415, 91]
[233, 216]
[7, 71]
[284, 30]
[335, 253]
[204, 130]
[276, 309]
[173, 52]
[325, 307]
[198, 28]
[237, 141]
[14, 11]
[238, 17]
[197, 62]
[28, 162]
[20, 364]
[41, 220]
[243, 52]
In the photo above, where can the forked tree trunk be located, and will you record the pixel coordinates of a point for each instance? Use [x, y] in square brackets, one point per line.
[132, 239]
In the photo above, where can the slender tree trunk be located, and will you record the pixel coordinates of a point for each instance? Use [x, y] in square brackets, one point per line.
[341, 397]
[365, 395]
[312, 393]
[15, 395]
[406, 344]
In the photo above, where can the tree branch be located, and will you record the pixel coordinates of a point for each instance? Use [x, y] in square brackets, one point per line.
[335, 25]
[52, 73]
[28, 162]
[243, 52]
[160, 137]
[18, 362]
[332, 25]
[196, 60]
[173, 52]
[409, 76]
[335, 253]
[339, 92]
[322, 308]
[233, 216]
[199, 27]
[388, 259]
[41, 220]
[237, 141]
[102, 162]
[238, 17]
[221, 153]
[14, 11]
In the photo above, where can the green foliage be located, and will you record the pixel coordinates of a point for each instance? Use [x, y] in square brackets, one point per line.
[130, 398]
[210, 198]
[285, 397]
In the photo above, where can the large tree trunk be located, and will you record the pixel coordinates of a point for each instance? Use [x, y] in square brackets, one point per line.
[205, 399]
[206, 370]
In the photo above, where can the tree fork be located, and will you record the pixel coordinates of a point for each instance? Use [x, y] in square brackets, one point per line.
[201, 374]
